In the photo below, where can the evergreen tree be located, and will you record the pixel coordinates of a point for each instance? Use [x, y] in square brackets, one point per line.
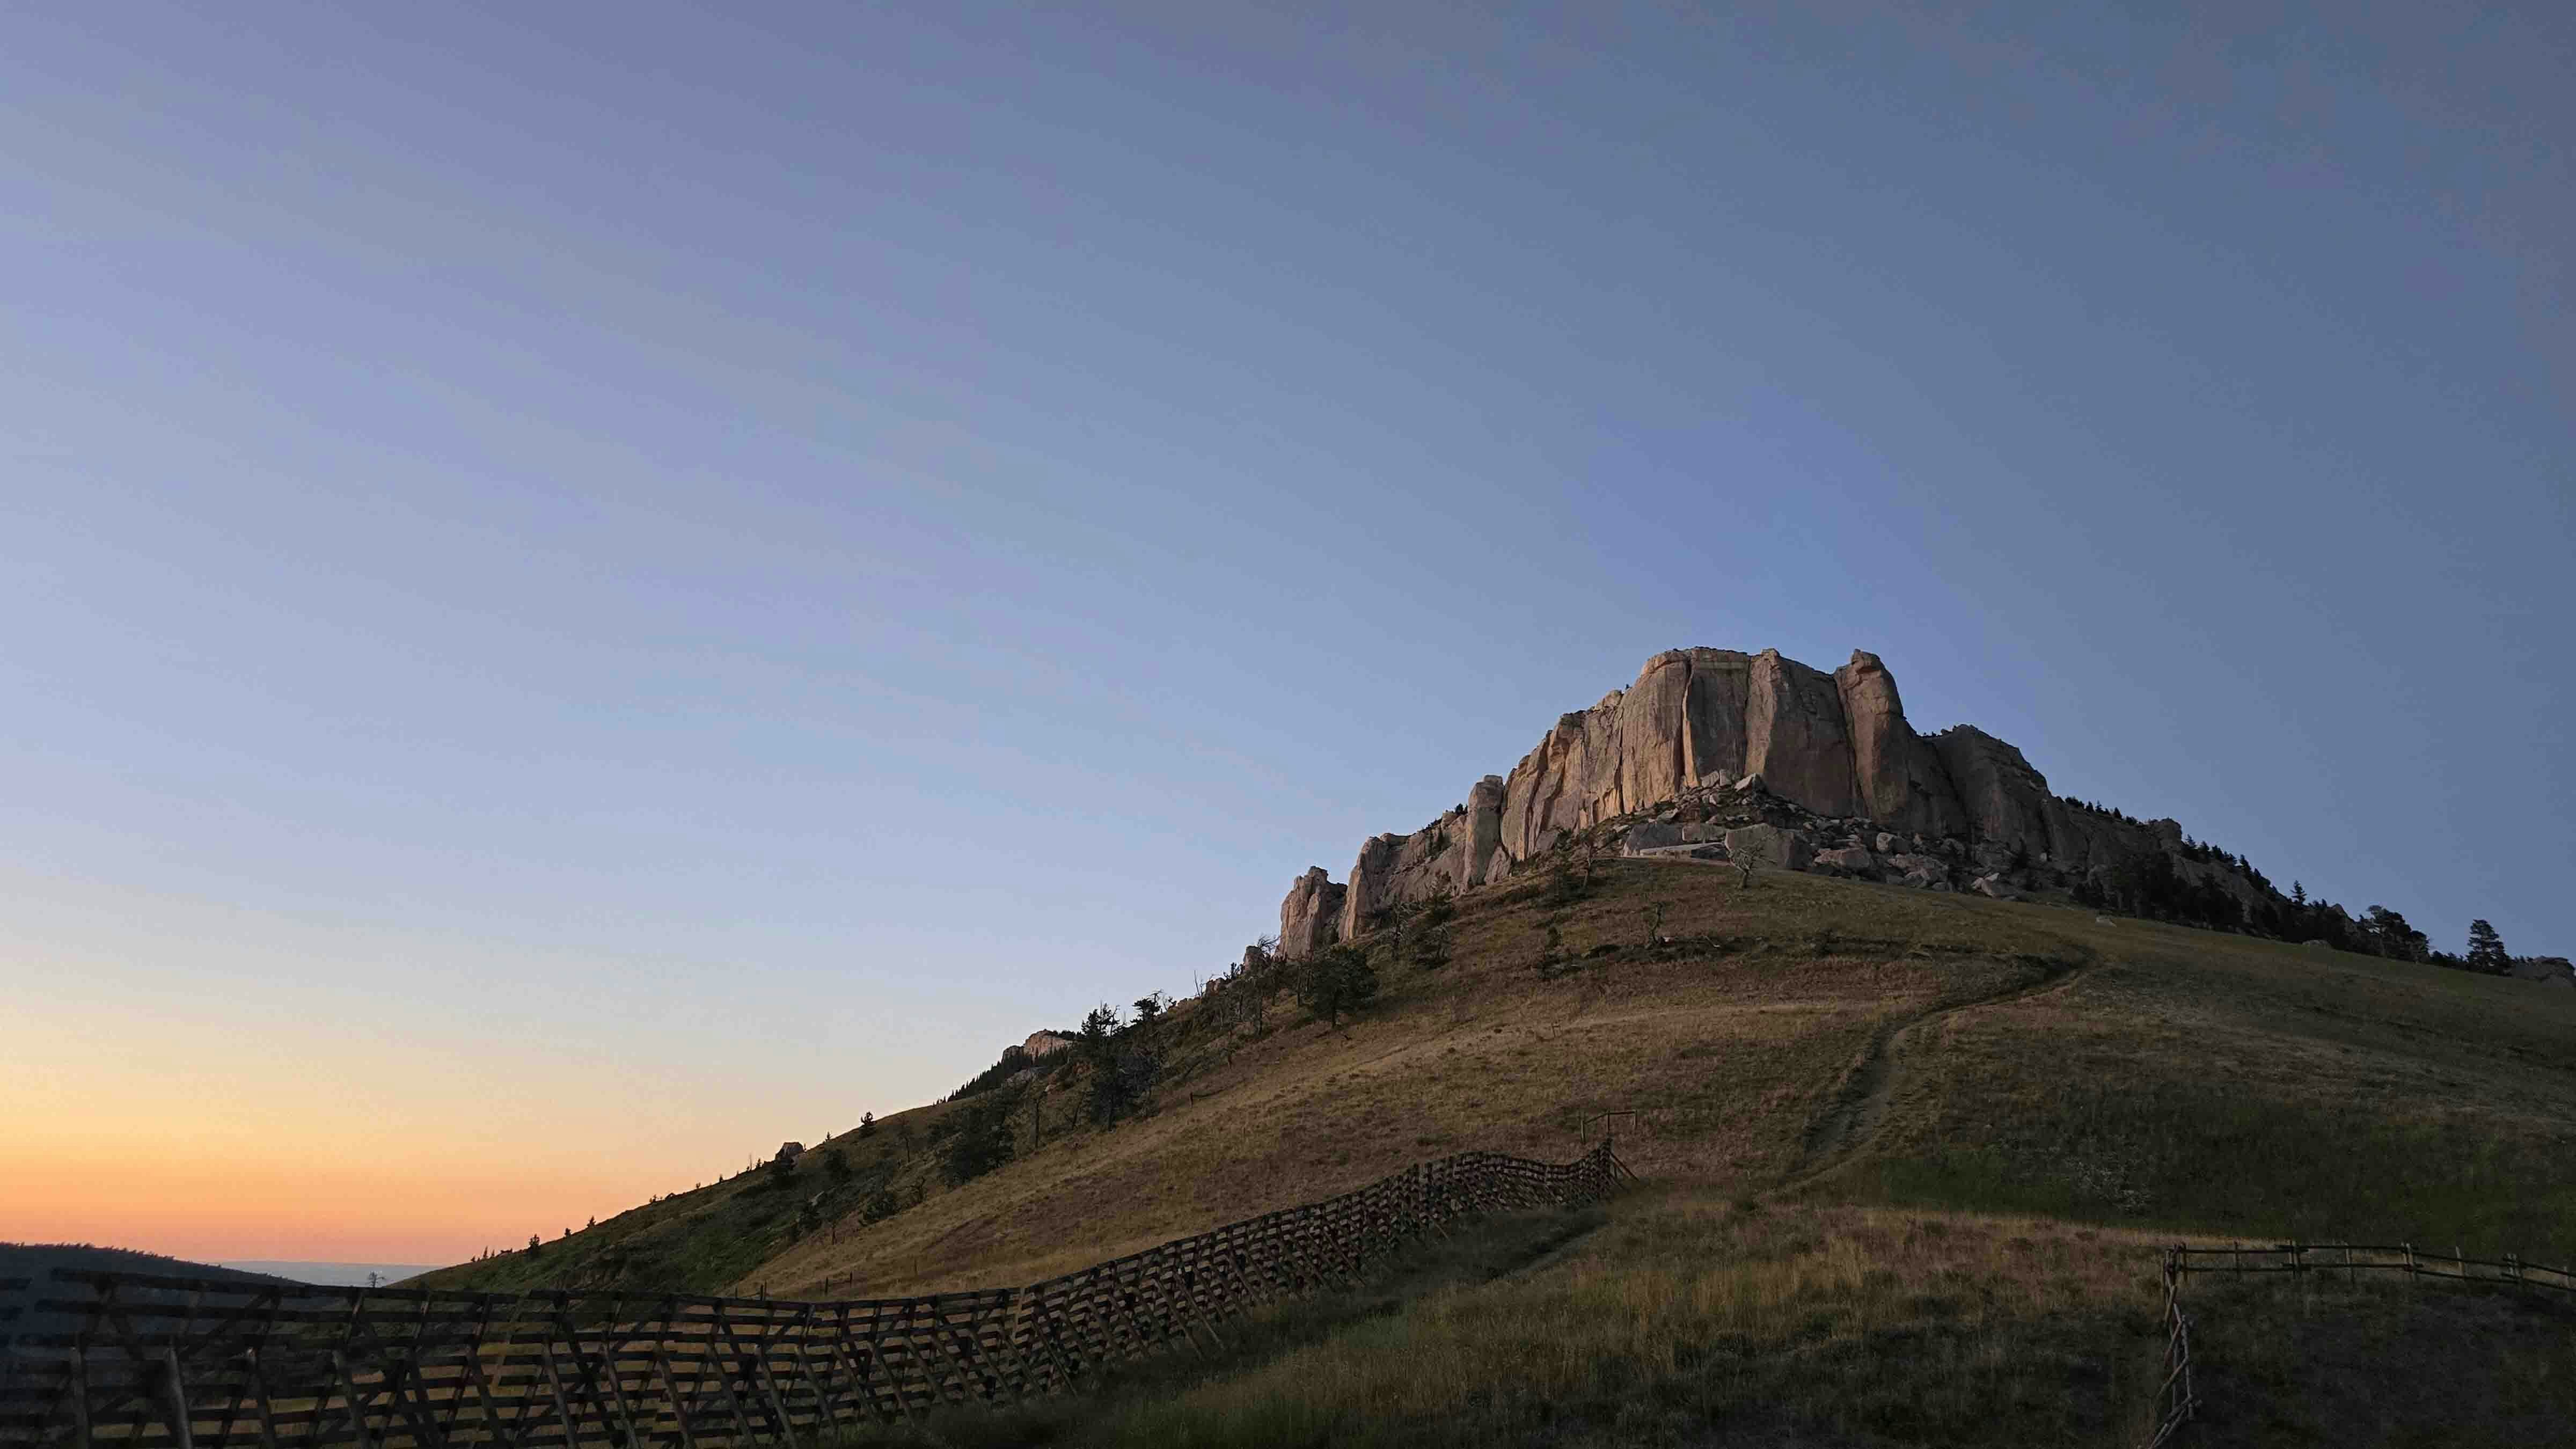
[1336, 982]
[2486, 950]
[1097, 1048]
[2392, 937]
[983, 1138]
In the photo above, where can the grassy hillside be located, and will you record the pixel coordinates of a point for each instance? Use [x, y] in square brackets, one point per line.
[1846, 1042]
[1834, 1040]
[1907, 1157]
[1677, 1318]
[715, 1238]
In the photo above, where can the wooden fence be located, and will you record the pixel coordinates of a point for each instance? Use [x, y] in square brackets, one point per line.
[2175, 1401]
[183, 1363]
[9, 1314]
[2354, 1260]
[2329, 1262]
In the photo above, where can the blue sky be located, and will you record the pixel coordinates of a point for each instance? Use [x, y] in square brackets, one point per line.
[686, 575]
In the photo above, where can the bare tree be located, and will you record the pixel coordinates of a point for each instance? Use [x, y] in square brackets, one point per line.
[1747, 856]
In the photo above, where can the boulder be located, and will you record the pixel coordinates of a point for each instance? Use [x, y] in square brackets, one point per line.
[1993, 858]
[1886, 844]
[1749, 785]
[1785, 849]
[2316, 945]
[1703, 831]
[1652, 835]
[1850, 860]
[1925, 880]
[2104, 921]
[1311, 916]
[1993, 885]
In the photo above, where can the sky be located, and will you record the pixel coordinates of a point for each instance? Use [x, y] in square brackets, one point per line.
[585, 589]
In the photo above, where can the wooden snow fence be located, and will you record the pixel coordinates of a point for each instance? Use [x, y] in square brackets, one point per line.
[160, 1362]
[2354, 1261]
[2175, 1401]
[2328, 1262]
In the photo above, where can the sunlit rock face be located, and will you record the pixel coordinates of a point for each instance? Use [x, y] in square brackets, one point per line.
[1836, 747]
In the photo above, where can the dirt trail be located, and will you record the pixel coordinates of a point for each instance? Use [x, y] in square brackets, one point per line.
[1858, 1110]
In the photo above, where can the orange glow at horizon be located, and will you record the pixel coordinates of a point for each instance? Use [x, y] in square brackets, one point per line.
[186, 1078]
[329, 1206]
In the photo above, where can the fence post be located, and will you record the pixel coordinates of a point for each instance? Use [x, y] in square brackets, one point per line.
[175, 1393]
[80, 1397]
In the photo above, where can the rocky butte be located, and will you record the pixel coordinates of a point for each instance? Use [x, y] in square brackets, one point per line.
[1713, 751]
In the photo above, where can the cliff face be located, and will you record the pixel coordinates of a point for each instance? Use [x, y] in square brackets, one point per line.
[1835, 745]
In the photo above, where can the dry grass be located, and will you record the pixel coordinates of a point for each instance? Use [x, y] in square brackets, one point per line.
[1691, 1321]
[1908, 1155]
[2176, 1078]
[1734, 1044]
[2383, 1362]
[2233, 1086]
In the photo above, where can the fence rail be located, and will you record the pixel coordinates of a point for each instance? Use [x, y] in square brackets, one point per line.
[2347, 1262]
[2352, 1260]
[2175, 1401]
[154, 1362]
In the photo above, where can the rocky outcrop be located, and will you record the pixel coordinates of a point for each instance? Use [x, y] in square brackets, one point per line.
[1372, 876]
[1312, 914]
[1795, 736]
[1901, 781]
[2000, 795]
[1045, 1043]
[2552, 969]
[1829, 760]
[1484, 827]
[1457, 852]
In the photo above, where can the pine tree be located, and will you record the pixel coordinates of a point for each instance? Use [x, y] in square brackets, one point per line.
[983, 1140]
[1337, 981]
[1097, 1048]
[2486, 950]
